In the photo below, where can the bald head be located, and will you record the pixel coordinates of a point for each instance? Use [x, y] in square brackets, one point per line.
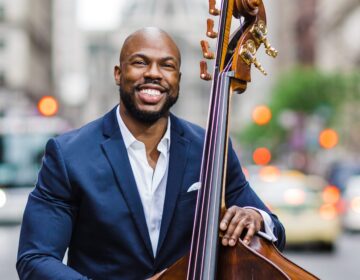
[148, 75]
[149, 34]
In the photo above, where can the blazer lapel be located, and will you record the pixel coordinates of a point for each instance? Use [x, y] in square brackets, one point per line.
[177, 162]
[116, 153]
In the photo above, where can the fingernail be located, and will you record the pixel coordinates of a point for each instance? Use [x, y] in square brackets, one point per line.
[225, 242]
[246, 241]
[232, 242]
[223, 225]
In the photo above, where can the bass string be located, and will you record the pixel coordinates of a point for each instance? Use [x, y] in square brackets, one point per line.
[218, 121]
[203, 195]
[198, 233]
[220, 143]
[211, 173]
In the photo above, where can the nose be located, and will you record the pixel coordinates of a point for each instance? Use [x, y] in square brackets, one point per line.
[153, 72]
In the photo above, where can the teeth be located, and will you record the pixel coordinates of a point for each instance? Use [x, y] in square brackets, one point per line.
[152, 92]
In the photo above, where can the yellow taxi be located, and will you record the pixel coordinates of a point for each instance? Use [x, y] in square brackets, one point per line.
[306, 205]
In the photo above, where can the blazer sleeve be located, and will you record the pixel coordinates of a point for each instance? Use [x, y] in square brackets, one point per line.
[239, 192]
[48, 221]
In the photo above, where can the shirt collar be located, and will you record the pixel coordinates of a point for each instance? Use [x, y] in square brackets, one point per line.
[130, 140]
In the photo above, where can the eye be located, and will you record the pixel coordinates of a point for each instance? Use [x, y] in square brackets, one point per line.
[169, 65]
[139, 62]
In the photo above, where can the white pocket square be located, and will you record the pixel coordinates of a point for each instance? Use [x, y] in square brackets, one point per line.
[194, 187]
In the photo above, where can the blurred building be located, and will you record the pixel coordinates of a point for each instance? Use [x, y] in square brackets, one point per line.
[84, 58]
[69, 62]
[338, 50]
[338, 36]
[25, 53]
[94, 52]
[186, 22]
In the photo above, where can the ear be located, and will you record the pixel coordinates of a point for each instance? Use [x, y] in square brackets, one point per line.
[117, 74]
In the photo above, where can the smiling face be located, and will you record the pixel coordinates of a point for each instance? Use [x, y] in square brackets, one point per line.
[148, 75]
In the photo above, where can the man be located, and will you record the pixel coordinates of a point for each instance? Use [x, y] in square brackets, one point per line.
[117, 192]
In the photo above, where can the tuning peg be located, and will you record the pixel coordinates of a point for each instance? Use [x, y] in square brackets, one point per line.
[212, 8]
[270, 50]
[205, 49]
[259, 32]
[259, 66]
[247, 53]
[210, 29]
[204, 74]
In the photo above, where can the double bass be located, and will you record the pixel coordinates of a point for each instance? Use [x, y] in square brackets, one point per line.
[234, 56]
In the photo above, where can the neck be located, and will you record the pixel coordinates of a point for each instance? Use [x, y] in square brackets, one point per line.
[149, 134]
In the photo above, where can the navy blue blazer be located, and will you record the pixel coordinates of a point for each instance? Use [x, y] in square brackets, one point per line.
[86, 200]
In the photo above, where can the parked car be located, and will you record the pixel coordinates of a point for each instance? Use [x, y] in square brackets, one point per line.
[340, 172]
[12, 204]
[305, 204]
[22, 142]
[351, 217]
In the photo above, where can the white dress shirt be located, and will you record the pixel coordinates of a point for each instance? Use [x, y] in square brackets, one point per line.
[151, 184]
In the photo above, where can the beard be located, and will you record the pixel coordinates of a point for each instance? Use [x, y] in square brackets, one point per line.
[142, 115]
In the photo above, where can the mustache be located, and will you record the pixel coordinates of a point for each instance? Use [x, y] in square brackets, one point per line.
[153, 82]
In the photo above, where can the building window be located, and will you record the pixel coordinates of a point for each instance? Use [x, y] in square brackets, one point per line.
[2, 79]
[2, 43]
[1, 149]
[2, 13]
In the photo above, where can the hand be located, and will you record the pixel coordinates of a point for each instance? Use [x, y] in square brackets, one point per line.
[235, 220]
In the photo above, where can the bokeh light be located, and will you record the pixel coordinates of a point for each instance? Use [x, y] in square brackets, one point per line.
[328, 138]
[261, 156]
[331, 194]
[261, 115]
[269, 173]
[48, 106]
[328, 211]
[294, 196]
[355, 204]
[2, 198]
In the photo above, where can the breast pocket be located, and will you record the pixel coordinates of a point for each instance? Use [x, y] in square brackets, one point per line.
[184, 214]
[188, 196]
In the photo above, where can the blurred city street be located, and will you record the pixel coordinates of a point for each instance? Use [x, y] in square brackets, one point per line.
[343, 263]
[9, 239]
[295, 131]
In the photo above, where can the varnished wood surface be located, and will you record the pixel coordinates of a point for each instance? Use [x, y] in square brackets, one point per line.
[269, 251]
[261, 260]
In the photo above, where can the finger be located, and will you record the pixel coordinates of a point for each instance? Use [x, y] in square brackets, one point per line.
[250, 234]
[235, 221]
[258, 220]
[225, 240]
[236, 234]
[230, 213]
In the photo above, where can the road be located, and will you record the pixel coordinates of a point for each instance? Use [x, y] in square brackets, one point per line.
[342, 264]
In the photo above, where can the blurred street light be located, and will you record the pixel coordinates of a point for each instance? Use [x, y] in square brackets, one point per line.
[328, 138]
[48, 106]
[331, 194]
[261, 156]
[261, 115]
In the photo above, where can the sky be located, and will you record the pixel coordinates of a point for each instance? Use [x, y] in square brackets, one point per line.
[98, 14]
